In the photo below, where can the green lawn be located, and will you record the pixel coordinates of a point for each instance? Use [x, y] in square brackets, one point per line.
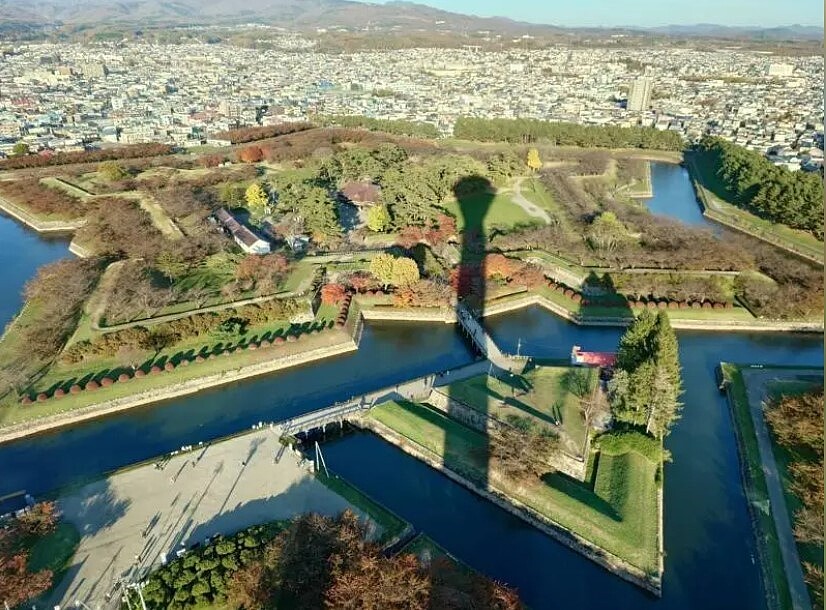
[488, 210]
[757, 494]
[618, 512]
[724, 210]
[545, 394]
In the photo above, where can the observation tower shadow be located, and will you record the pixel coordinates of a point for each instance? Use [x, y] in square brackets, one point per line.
[475, 195]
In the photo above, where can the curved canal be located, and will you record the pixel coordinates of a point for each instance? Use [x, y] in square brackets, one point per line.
[708, 538]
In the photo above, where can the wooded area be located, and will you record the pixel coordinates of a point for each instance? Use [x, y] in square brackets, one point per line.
[767, 190]
[527, 131]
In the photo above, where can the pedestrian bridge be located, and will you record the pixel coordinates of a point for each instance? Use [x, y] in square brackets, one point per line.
[483, 341]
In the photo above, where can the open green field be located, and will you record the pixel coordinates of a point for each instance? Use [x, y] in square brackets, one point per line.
[544, 394]
[488, 210]
[719, 207]
[757, 494]
[616, 510]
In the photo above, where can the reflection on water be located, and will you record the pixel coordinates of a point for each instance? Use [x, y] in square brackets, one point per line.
[674, 196]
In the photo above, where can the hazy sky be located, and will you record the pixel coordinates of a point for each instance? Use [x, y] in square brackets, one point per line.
[642, 12]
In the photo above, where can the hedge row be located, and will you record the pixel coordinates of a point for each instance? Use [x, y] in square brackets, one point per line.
[344, 311]
[619, 300]
[297, 334]
[199, 578]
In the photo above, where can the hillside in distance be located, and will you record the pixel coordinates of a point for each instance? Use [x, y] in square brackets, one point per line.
[398, 16]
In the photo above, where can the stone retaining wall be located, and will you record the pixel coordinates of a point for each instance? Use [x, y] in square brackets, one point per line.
[413, 314]
[683, 324]
[486, 423]
[608, 560]
[39, 225]
[184, 388]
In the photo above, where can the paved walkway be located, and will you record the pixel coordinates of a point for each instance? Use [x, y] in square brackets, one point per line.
[530, 207]
[482, 339]
[757, 381]
[129, 520]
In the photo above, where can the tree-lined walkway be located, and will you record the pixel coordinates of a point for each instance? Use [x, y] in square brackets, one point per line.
[756, 381]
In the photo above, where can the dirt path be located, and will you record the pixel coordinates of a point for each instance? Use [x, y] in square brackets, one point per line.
[530, 208]
[757, 381]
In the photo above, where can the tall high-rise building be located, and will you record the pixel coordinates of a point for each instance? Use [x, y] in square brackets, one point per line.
[639, 97]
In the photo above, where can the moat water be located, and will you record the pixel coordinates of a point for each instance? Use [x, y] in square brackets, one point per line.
[710, 551]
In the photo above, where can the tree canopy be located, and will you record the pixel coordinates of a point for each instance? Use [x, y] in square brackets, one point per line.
[527, 131]
[646, 386]
[770, 191]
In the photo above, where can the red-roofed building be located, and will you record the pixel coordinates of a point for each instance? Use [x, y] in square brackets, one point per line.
[600, 359]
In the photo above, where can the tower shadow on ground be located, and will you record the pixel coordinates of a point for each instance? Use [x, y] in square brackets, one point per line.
[475, 195]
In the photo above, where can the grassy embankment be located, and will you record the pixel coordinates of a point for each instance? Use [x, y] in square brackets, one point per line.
[544, 394]
[754, 482]
[63, 375]
[390, 524]
[718, 206]
[616, 508]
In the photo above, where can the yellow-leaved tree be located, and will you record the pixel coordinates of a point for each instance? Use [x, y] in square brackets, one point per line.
[257, 199]
[533, 161]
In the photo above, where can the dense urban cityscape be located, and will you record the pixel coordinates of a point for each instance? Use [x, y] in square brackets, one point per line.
[64, 97]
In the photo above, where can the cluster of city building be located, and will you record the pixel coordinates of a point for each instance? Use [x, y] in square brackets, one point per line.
[70, 96]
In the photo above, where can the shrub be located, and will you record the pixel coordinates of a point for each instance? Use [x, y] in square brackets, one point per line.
[651, 304]
[75, 389]
[42, 397]
[184, 362]
[662, 304]
[169, 367]
[292, 338]
[576, 297]
[199, 358]
[26, 400]
[155, 369]
[706, 305]
[140, 373]
[695, 305]
[673, 305]
[59, 393]
[278, 340]
[124, 377]
[107, 381]
[92, 385]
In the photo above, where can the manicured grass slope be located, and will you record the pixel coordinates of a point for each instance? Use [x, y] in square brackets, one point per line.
[546, 394]
[619, 513]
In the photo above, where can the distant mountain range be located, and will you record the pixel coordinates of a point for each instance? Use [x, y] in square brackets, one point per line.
[298, 14]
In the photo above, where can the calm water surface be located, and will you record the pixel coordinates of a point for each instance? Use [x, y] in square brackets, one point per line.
[22, 251]
[674, 196]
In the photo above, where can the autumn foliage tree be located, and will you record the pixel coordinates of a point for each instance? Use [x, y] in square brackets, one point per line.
[332, 294]
[18, 583]
[797, 422]
[251, 154]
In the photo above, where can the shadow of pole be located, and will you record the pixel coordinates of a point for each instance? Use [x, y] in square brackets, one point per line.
[475, 196]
